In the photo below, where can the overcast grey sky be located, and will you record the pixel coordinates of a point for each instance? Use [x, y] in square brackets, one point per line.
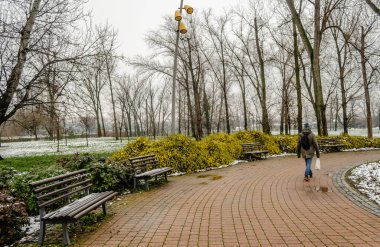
[134, 18]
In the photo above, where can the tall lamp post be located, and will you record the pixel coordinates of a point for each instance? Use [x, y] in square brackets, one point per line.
[181, 29]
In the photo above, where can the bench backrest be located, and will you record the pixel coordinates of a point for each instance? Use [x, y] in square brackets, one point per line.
[143, 163]
[248, 147]
[61, 188]
[332, 141]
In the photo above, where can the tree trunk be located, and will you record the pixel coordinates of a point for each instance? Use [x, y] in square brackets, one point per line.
[320, 109]
[365, 84]
[265, 117]
[244, 99]
[206, 107]
[342, 83]
[320, 106]
[219, 115]
[197, 98]
[225, 93]
[112, 100]
[282, 121]
[373, 7]
[102, 118]
[298, 79]
[15, 75]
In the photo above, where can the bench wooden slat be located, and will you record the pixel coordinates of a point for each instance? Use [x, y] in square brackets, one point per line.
[253, 150]
[89, 209]
[48, 180]
[82, 206]
[78, 206]
[69, 207]
[132, 159]
[330, 144]
[47, 203]
[54, 185]
[63, 189]
[145, 167]
[154, 172]
[145, 164]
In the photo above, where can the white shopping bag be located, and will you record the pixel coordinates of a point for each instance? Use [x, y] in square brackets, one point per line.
[318, 164]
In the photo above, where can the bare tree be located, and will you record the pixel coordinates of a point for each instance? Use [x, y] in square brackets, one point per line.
[365, 44]
[320, 22]
[249, 52]
[39, 21]
[217, 57]
[107, 39]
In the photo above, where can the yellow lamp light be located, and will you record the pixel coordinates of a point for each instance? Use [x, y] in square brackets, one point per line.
[182, 28]
[178, 15]
[189, 9]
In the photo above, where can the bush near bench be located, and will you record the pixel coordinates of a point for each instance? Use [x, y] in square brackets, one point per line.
[13, 216]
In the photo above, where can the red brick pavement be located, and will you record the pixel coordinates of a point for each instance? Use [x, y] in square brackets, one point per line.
[264, 203]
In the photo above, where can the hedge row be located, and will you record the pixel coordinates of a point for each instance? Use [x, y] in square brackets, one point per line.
[185, 154]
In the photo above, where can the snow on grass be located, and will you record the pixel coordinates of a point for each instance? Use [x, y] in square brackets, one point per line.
[35, 148]
[366, 179]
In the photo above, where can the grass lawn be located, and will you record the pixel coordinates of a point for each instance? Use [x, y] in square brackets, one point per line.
[35, 163]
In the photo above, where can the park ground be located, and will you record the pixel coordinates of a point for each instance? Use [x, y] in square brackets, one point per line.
[260, 203]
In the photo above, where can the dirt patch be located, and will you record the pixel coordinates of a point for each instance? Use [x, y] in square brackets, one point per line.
[211, 176]
[216, 177]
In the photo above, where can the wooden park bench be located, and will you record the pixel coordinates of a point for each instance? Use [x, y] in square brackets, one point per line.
[146, 168]
[254, 151]
[71, 189]
[330, 145]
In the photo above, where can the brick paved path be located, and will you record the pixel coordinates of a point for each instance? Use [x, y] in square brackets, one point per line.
[264, 203]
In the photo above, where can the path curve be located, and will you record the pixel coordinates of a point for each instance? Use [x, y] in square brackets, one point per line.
[261, 203]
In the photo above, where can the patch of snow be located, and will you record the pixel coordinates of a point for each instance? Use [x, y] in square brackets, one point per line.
[282, 155]
[174, 174]
[366, 178]
[43, 147]
[235, 162]
[359, 149]
[31, 229]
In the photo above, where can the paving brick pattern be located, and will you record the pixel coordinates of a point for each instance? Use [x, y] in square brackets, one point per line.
[261, 203]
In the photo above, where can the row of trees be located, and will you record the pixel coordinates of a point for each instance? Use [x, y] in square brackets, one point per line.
[282, 62]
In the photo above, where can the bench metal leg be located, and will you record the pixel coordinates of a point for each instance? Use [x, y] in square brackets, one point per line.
[66, 238]
[104, 208]
[41, 235]
[166, 177]
[146, 184]
[134, 183]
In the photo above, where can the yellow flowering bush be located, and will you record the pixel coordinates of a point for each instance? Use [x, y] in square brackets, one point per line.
[358, 141]
[180, 152]
[185, 154]
[221, 149]
[132, 149]
[288, 142]
[268, 142]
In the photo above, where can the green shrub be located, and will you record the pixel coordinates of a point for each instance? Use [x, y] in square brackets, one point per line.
[180, 152]
[221, 149]
[6, 175]
[12, 217]
[76, 161]
[132, 149]
[17, 184]
[112, 176]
